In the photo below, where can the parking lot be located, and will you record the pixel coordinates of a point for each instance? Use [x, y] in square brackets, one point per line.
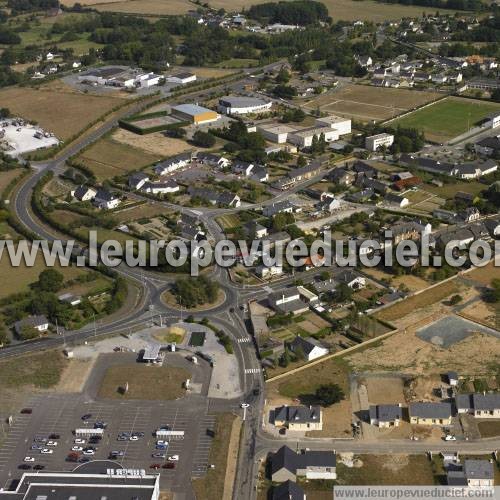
[59, 415]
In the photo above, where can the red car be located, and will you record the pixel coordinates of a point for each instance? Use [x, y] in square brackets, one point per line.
[155, 466]
[168, 465]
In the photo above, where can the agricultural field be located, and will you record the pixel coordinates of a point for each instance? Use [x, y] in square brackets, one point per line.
[42, 104]
[108, 158]
[7, 177]
[349, 10]
[366, 103]
[448, 118]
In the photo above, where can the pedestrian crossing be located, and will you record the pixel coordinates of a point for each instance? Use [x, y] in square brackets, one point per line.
[252, 370]
[244, 340]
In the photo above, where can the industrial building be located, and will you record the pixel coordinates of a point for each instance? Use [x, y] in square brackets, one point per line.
[194, 114]
[340, 124]
[233, 105]
[116, 76]
[182, 78]
[304, 138]
[276, 133]
[107, 480]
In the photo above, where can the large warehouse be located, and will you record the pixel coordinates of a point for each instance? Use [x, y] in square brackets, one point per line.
[194, 114]
[233, 105]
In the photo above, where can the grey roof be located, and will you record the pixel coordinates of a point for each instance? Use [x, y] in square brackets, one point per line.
[478, 469]
[286, 292]
[346, 276]
[306, 344]
[104, 195]
[490, 401]
[386, 413]
[393, 198]
[285, 458]
[240, 102]
[298, 414]
[288, 491]
[105, 72]
[430, 410]
[190, 109]
[463, 401]
[326, 285]
[81, 191]
[490, 142]
[175, 159]
[134, 179]
[31, 321]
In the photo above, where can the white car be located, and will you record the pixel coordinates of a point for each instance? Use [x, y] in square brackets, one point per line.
[46, 451]
[244, 405]
[133, 438]
[52, 443]
[88, 452]
[160, 442]
[450, 437]
[29, 459]
[76, 448]
[79, 441]
[173, 458]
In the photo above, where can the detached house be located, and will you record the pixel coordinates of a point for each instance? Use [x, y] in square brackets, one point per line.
[472, 474]
[351, 279]
[479, 405]
[137, 180]
[299, 418]
[39, 323]
[106, 200]
[386, 415]
[288, 491]
[288, 465]
[430, 413]
[310, 347]
[83, 193]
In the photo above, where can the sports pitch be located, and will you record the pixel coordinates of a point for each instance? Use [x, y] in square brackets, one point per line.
[448, 118]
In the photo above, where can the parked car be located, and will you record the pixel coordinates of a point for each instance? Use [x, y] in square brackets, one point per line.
[79, 441]
[87, 416]
[159, 455]
[155, 466]
[29, 459]
[133, 438]
[84, 460]
[51, 443]
[88, 452]
[54, 436]
[24, 467]
[169, 465]
[46, 451]
[76, 448]
[450, 437]
[38, 467]
[173, 458]
[27, 411]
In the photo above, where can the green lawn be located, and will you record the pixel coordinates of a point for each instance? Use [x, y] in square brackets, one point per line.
[448, 118]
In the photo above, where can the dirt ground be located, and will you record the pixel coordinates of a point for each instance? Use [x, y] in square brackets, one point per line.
[482, 312]
[232, 456]
[75, 375]
[414, 283]
[485, 274]
[156, 144]
[384, 390]
[405, 352]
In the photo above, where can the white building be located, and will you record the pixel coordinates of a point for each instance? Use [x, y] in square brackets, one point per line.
[167, 187]
[182, 78]
[276, 133]
[374, 142]
[234, 105]
[494, 120]
[268, 272]
[304, 138]
[173, 164]
[311, 348]
[106, 200]
[84, 193]
[340, 124]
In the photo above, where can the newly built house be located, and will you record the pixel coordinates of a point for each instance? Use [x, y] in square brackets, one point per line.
[299, 418]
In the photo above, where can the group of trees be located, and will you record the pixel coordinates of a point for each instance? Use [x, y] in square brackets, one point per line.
[475, 5]
[299, 12]
[203, 139]
[492, 294]
[20, 6]
[249, 146]
[192, 292]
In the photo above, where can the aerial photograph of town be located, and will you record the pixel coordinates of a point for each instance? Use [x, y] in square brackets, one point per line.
[249, 250]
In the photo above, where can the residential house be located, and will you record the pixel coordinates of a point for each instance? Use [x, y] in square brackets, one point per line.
[169, 186]
[172, 164]
[69, 298]
[299, 418]
[213, 160]
[351, 279]
[493, 226]
[452, 378]
[288, 301]
[474, 473]
[325, 286]
[385, 415]
[137, 180]
[365, 168]
[360, 196]
[396, 201]
[255, 230]
[288, 465]
[259, 174]
[470, 214]
[311, 348]
[84, 193]
[265, 272]
[328, 203]
[38, 322]
[479, 405]
[426, 413]
[243, 168]
[289, 490]
[105, 200]
[284, 206]
[342, 177]
[488, 146]
[215, 197]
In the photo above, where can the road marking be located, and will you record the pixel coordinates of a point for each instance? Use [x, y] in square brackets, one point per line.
[253, 370]
[243, 340]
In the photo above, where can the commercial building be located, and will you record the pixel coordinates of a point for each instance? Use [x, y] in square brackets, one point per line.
[120, 77]
[234, 105]
[194, 114]
[340, 124]
[304, 138]
[182, 78]
[374, 142]
[299, 418]
[113, 483]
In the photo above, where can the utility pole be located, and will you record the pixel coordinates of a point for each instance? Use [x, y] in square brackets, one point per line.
[95, 327]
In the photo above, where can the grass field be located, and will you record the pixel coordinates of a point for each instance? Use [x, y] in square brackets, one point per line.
[42, 370]
[366, 103]
[489, 428]
[448, 191]
[349, 10]
[448, 118]
[108, 158]
[211, 486]
[18, 279]
[146, 382]
[8, 176]
[44, 106]
[419, 301]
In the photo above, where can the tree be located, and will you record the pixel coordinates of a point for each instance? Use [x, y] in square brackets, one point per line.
[3, 334]
[50, 280]
[343, 293]
[329, 394]
[27, 332]
[492, 294]
[283, 76]
[495, 95]
[285, 91]
[203, 139]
